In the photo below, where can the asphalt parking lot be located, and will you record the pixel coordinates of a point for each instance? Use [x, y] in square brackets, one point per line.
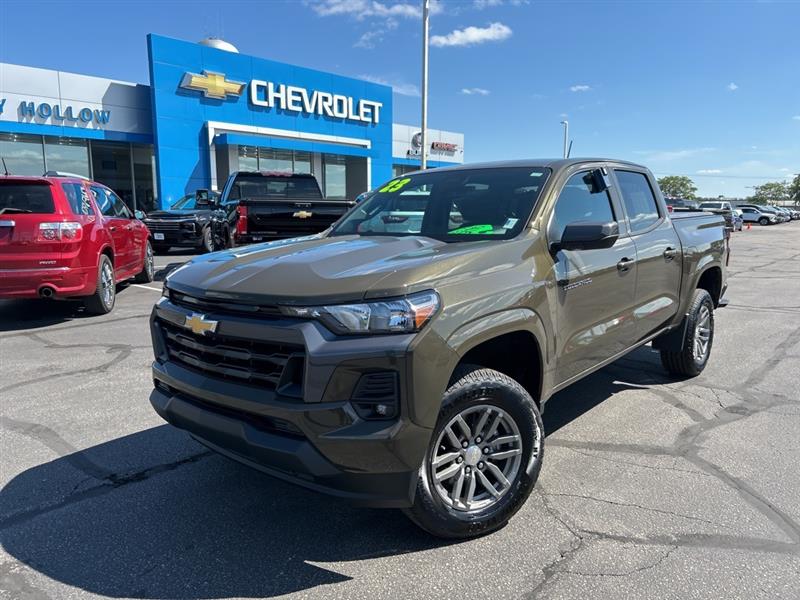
[651, 488]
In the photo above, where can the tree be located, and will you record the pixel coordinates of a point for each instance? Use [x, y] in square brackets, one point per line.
[773, 192]
[794, 190]
[677, 186]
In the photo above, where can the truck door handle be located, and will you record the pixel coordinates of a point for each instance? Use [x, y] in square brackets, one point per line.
[624, 264]
[112, 227]
[670, 253]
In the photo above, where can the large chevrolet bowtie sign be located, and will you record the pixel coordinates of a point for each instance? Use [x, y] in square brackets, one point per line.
[285, 97]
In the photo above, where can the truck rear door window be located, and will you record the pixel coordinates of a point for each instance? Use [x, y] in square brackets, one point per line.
[19, 197]
[640, 202]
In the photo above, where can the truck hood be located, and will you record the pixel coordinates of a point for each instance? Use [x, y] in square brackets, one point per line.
[319, 269]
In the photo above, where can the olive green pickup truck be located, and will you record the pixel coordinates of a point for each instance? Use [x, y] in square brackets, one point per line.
[402, 358]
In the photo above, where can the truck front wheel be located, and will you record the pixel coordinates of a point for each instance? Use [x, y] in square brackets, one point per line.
[693, 356]
[485, 455]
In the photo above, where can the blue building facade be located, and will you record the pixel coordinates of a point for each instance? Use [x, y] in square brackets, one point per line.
[206, 113]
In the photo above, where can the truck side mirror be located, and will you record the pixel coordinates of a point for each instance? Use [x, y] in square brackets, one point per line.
[587, 235]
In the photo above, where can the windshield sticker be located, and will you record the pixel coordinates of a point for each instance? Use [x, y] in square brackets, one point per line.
[510, 223]
[472, 230]
[394, 186]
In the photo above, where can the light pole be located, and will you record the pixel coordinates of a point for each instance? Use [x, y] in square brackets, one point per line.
[566, 137]
[425, 20]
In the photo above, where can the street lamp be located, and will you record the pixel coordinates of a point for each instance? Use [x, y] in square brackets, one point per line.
[566, 137]
[425, 22]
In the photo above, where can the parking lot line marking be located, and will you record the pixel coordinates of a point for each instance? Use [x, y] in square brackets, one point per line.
[147, 287]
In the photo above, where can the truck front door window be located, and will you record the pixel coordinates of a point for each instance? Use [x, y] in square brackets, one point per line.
[580, 200]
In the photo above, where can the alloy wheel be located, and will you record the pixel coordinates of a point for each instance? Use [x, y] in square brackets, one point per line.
[702, 334]
[107, 284]
[477, 458]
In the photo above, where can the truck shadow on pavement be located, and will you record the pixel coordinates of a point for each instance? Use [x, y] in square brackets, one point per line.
[155, 515]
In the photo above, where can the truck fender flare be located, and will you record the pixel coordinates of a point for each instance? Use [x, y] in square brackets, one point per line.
[472, 334]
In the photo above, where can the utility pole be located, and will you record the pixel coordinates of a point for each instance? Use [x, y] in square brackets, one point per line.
[425, 22]
[566, 137]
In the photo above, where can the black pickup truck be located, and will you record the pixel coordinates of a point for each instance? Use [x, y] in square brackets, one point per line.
[274, 205]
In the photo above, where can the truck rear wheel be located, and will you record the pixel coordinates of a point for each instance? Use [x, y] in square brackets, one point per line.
[484, 459]
[693, 357]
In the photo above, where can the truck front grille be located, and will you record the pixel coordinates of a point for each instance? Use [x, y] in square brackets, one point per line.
[258, 363]
[169, 225]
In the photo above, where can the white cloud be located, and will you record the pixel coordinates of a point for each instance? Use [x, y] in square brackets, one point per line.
[362, 9]
[667, 155]
[475, 91]
[709, 171]
[732, 87]
[481, 4]
[369, 39]
[563, 115]
[580, 88]
[404, 89]
[470, 36]
[796, 118]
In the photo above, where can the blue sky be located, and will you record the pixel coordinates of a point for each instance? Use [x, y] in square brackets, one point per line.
[705, 89]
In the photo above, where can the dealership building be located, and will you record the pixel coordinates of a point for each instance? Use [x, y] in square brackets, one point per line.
[208, 111]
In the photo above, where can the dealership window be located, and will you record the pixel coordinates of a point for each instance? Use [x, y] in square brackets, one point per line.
[22, 154]
[144, 178]
[69, 155]
[270, 159]
[302, 162]
[398, 170]
[248, 158]
[111, 166]
[335, 168]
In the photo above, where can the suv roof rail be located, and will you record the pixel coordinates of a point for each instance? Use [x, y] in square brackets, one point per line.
[64, 174]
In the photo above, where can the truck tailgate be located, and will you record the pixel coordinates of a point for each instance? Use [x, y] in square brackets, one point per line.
[281, 217]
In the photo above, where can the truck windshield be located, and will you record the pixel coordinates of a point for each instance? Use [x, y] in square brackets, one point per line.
[454, 206]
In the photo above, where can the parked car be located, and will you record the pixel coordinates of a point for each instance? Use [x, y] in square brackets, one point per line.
[409, 369]
[750, 214]
[721, 208]
[275, 205]
[681, 204]
[786, 212]
[67, 237]
[738, 222]
[186, 224]
[766, 210]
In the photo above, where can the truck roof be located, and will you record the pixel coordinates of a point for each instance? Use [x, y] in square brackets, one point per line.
[553, 163]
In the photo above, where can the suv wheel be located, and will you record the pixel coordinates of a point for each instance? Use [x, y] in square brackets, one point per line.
[764, 221]
[485, 455]
[147, 274]
[102, 301]
[693, 357]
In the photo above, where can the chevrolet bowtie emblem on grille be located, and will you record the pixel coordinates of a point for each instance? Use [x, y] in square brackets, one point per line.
[302, 214]
[213, 85]
[199, 324]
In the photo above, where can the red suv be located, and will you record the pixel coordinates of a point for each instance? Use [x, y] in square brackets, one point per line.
[66, 237]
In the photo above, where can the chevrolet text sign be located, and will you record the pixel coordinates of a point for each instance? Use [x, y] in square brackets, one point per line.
[298, 99]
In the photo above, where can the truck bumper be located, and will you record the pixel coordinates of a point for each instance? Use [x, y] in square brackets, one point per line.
[315, 434]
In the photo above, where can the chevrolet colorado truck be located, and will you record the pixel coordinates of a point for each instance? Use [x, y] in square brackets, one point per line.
[270, 205]
[403, 357]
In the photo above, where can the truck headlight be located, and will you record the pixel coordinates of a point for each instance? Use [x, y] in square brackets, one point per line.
[400, 315]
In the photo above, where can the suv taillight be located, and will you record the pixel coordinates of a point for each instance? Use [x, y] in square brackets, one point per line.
[241, 224]
[60, 232]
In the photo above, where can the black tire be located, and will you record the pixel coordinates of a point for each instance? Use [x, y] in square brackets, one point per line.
[105, 295]
[148, 272]
[685, 363]
[472, 386]
[763, 221]
[230, 242]
[207, 245]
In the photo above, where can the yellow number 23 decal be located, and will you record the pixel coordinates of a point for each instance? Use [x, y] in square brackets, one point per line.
[394, 186]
